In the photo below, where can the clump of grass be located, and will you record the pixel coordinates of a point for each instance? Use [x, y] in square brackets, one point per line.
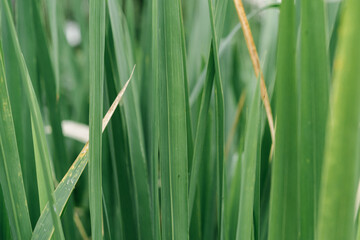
[278, 84]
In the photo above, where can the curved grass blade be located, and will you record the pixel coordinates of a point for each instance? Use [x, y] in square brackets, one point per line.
[40, 146]
[283, 219]
[248, 171]
[10, 170]
[97, 49]
[340, 170]
[44, 227]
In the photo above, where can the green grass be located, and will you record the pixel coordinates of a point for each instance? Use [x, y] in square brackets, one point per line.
[284, 199]
[96, 68]
[11, 176]
[241, 119]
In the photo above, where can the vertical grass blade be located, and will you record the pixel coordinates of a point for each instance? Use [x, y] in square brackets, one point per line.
[190, 141]
[340, 170]
[283, 219]
[26, 35]
[40, 146]
[333, 42]
[248, 173]
[11, 179]
[155, 116]
[53, 18]
[164, 155]
[313, 111]
[216, 28]
[97, 48]
[174, 154]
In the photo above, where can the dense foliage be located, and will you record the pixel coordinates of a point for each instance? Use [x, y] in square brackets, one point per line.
[227, 120]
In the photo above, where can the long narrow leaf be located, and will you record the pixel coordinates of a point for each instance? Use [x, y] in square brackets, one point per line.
[174, 151]
[97, 48]
[313, 111]
[340, 170]
[53, 13]
[11, 179]
[248, 173]
[155, 124]
[283, 219]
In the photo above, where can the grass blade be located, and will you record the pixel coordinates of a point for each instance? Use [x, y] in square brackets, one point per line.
[248, 171]
[4, 220]
[313, 111]
[283, 219]
[97, 48]
[340, 170]
[53, 18]
[166, 203]
[190, 144]
[239, 109]
[155, 116]
[174, 147]
[10, 170]
[334, 37]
